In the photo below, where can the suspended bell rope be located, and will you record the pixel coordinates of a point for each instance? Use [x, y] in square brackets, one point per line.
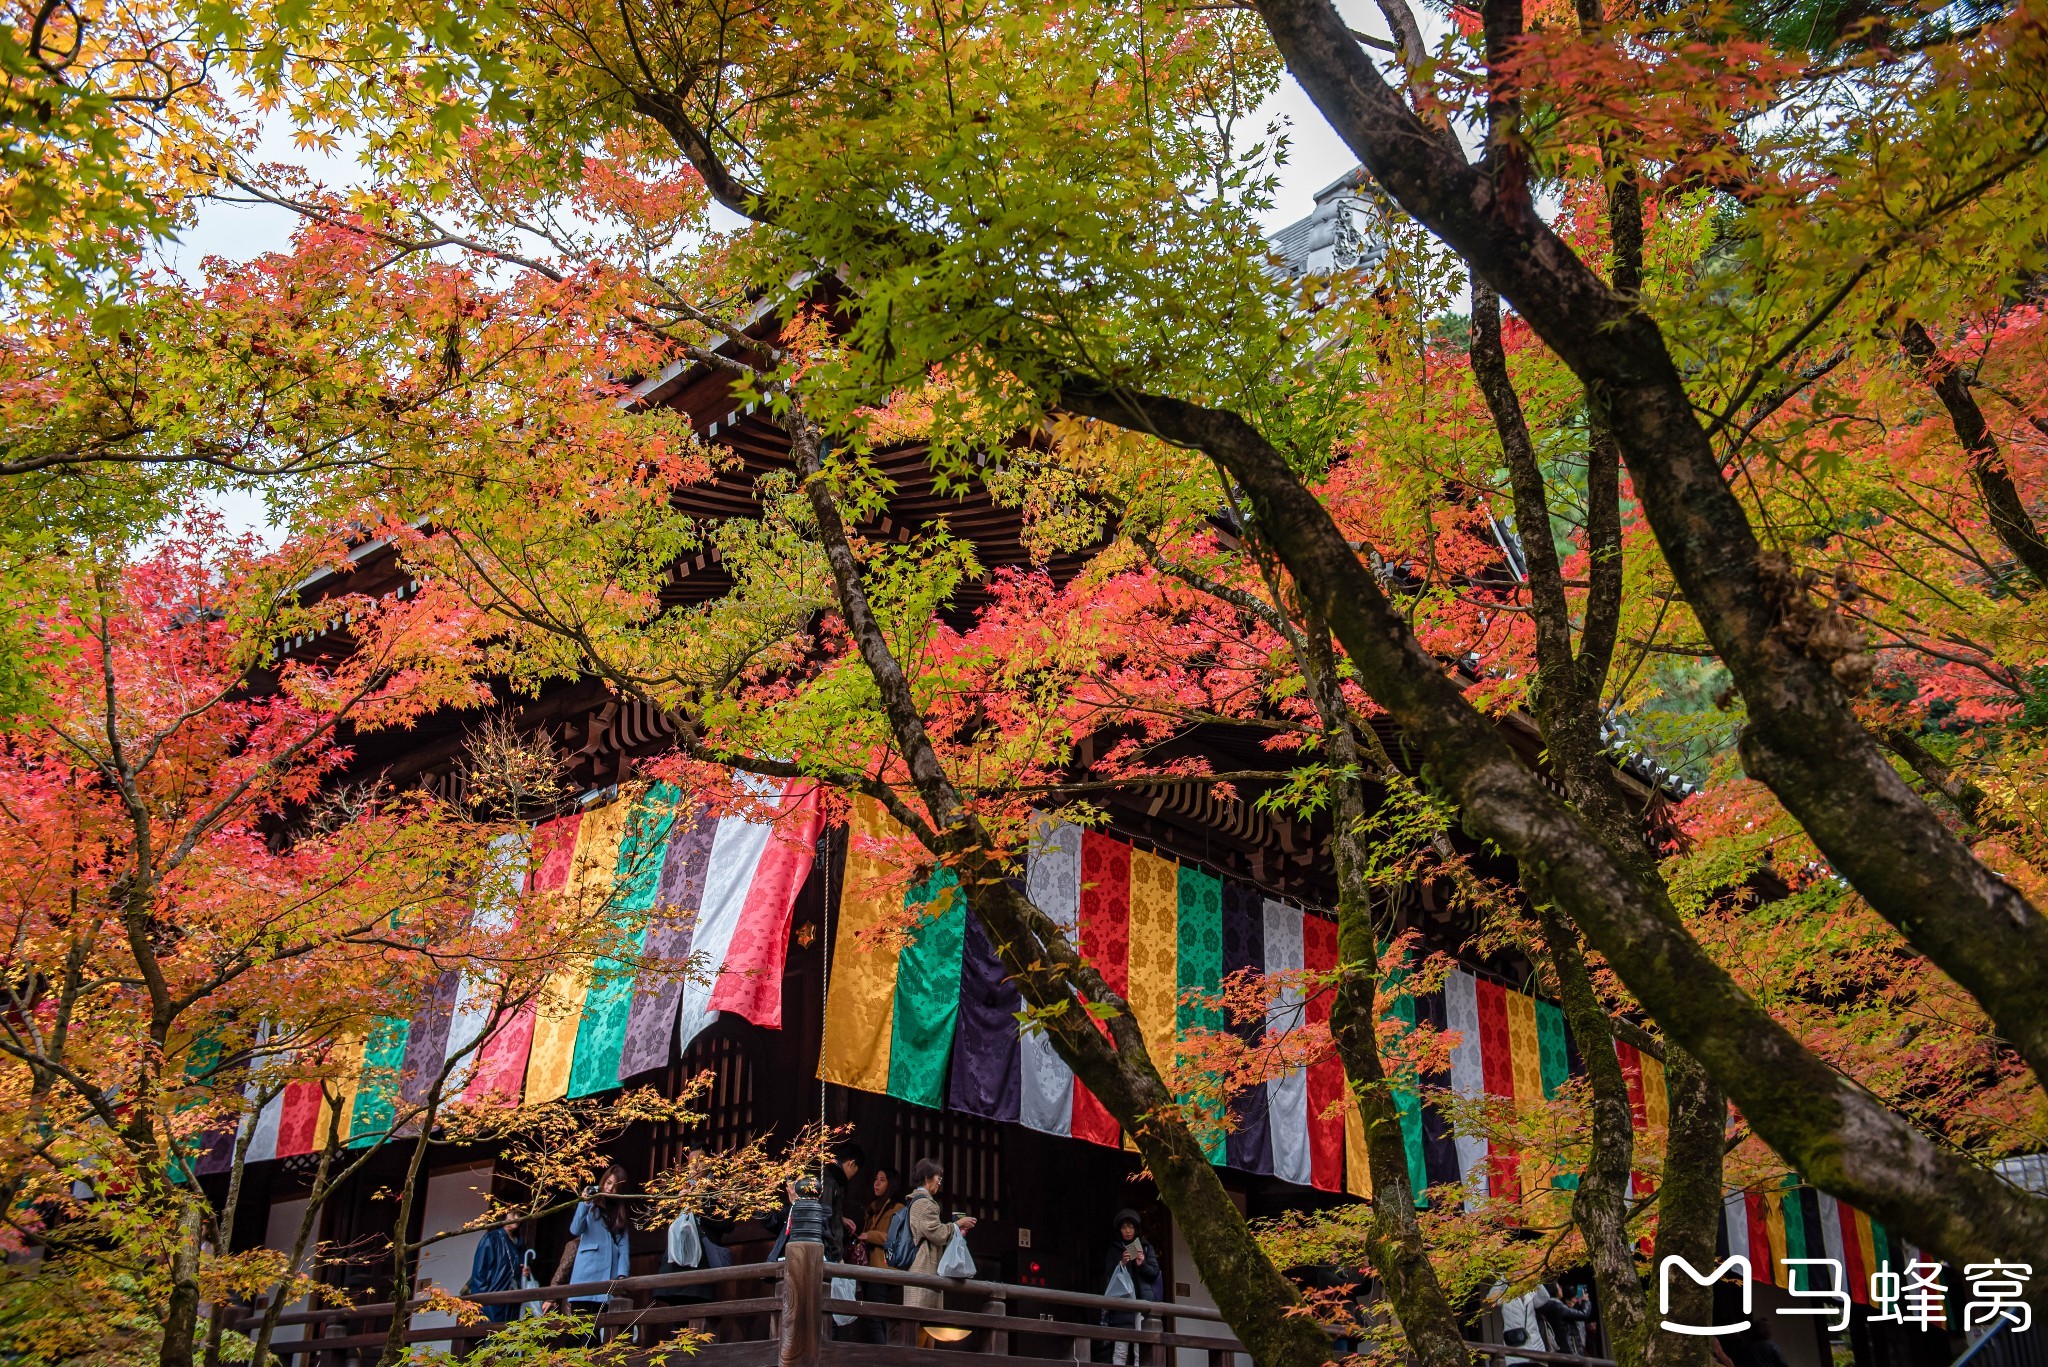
[826, 930]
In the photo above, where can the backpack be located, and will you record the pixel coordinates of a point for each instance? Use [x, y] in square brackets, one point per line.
[901, 1250]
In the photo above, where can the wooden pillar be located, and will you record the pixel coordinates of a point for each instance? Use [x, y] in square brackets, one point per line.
[803, 1283]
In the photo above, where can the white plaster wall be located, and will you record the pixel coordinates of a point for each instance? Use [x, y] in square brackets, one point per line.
[453, 1199]
[278, 1232]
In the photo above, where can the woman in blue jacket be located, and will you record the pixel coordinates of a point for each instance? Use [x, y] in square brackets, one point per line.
[603, 1229]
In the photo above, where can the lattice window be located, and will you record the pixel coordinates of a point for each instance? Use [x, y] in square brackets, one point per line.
[730, 1116]
[970, 1150]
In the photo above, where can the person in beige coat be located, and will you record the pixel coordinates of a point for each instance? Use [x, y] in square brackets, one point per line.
[931, 1231]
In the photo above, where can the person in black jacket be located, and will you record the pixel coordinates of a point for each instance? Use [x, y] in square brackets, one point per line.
[496, 1267]
[1560, 1319]
[834, 1185]
[711, 1252]
[1133, 1253]
[842, 1200]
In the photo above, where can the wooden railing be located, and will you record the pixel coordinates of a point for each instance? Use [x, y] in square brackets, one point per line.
[780, 1315]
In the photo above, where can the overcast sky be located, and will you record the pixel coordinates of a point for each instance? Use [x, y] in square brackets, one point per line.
[1316, 156]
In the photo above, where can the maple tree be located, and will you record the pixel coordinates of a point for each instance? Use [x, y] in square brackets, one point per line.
[147, 909]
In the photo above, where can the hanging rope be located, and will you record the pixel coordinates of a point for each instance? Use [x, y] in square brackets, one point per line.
[825, 981]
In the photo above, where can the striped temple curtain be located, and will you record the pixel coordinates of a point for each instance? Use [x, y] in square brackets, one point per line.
[721, 889]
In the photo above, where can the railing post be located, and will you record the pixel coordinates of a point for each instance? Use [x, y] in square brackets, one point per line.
[998, 1339]
[803, 1282]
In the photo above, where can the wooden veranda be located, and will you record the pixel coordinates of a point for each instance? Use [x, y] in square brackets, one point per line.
[780, 1315]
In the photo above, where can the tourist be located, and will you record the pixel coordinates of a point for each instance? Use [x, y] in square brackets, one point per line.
[1519, 1325]
[602, 1228]
[841, 1200]
[496, 1268]
[872, 1249]
[883, 1203]
[834, 1182]
[1560, 1320]
[1134, 1261]
[710, 1251]
[930, 1231]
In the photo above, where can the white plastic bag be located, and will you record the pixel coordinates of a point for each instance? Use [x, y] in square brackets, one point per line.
[1120, 1283]
[685, 1245]
[845, 1289]
[956, 1261]
[532, 1309]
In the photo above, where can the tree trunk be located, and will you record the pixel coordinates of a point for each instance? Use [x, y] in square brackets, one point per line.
[181, 1315]
[1394, 1238]
[238, 1166]
[1567, 703]
[401, 1236]
[1689, 1204]
[2002, 502]
[1600, 1205]
[1260, 1305]
[315, 1198]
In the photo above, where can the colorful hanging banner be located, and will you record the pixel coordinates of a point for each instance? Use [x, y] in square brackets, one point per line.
[1249, 1145]
[928, 991]
[718, 895]
[986, 1078]
[497, 909]
[1286, 1094]
[1105, 933]
[1497, 1069]
[937, 1023]
[593, 868]
[1394, 1006]
[1154, 977]
[1797, 1221]
[1198, 969]
[298, 1117]
[1415, 1118]
[1157, 933]
[376, 1109]
[1326, 1089]
[679, 896]
[1468, 1073]
[741, 936]
[1052, 879]
[1525, 1056]
[860, 998]
[500, 1072]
